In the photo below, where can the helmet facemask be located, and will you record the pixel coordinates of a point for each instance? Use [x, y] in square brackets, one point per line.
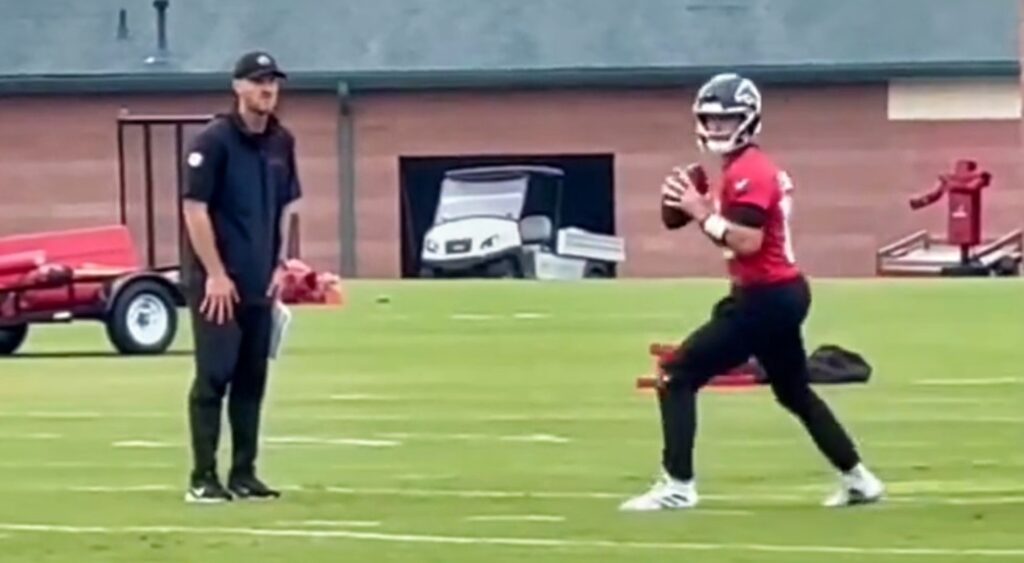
[713, 138]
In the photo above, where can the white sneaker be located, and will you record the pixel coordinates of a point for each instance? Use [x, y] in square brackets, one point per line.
[859, 486]
[666, 494]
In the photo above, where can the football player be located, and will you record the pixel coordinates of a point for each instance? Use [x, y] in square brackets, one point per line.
[748, 216]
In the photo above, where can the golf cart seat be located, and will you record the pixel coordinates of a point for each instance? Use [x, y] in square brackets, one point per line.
[536, 230]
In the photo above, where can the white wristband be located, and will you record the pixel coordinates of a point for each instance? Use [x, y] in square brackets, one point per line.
[715, 226]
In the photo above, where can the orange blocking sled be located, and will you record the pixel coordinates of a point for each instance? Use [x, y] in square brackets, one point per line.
[743, 377]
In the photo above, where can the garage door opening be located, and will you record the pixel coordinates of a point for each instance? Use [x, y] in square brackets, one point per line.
[571, 190]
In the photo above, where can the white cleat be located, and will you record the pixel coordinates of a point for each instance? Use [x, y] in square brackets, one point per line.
[666, 494]
[857, 487]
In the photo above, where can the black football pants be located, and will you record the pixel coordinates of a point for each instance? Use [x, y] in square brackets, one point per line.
[765, 323]
[230, 359]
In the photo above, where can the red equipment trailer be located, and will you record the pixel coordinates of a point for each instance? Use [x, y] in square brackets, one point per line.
[97, 273]
[89, 274]
[101, 274]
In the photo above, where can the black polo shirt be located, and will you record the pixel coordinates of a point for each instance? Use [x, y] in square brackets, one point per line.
[246, 179]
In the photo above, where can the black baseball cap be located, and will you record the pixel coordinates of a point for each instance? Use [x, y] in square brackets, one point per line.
[257, 64]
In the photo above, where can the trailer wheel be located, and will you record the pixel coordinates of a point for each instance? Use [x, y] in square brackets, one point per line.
[143, 319]
[11, 338]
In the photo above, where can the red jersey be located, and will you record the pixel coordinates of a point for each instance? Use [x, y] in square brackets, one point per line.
[753, 179]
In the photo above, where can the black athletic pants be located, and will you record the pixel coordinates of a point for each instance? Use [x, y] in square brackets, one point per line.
[765, 323]
[230, 359]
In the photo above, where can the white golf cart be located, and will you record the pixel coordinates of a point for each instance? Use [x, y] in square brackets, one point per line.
[505, 221]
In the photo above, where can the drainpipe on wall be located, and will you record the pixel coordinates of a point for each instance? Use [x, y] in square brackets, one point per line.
[346, 182]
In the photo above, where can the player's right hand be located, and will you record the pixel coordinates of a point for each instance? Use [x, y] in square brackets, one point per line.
[218, 304]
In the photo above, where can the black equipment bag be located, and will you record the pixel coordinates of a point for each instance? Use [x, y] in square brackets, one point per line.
[828, 364]
[834, 364]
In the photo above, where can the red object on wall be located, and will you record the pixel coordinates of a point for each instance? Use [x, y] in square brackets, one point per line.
[965, 185]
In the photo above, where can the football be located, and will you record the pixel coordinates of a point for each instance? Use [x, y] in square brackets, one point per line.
[699, 178]
[675, 219]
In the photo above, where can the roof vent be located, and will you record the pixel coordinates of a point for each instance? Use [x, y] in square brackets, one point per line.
[161, 56]
[122, 25]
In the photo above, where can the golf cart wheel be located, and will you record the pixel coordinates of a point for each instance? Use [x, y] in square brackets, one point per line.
[143, 319]
[506, 268]
[11, 338]
[594, 270]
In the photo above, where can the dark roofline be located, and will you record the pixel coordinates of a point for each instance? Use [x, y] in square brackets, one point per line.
[817, 73]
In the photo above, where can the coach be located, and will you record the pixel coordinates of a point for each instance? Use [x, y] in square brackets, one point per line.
[240, 193]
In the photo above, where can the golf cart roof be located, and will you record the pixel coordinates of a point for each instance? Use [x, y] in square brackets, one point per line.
[497, 173]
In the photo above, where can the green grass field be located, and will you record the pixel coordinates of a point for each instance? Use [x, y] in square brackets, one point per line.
[429, 427]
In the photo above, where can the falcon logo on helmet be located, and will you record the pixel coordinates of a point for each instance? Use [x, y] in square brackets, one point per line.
[727, 100]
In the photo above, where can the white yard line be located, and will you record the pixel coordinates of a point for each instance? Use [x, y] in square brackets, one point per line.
[515, 518]
[427, 477]
[80, 465]
[311, 440]
[276, 442]
[623, 415]
[905, 488]
[122, 489]
[531, 316]
[54, 414]
[32, 436]
[988, 401]
[358, 397]
[923, 551]
[542, 438]
[331, 523]
[970, 382]
[805, 495]
[796, 442]
[496, 494]
[967, 501]
[963, 418]
[750, 496]
[144, 444]
[454, 493]
[523, 316]
[472, 317]
[348, 417]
